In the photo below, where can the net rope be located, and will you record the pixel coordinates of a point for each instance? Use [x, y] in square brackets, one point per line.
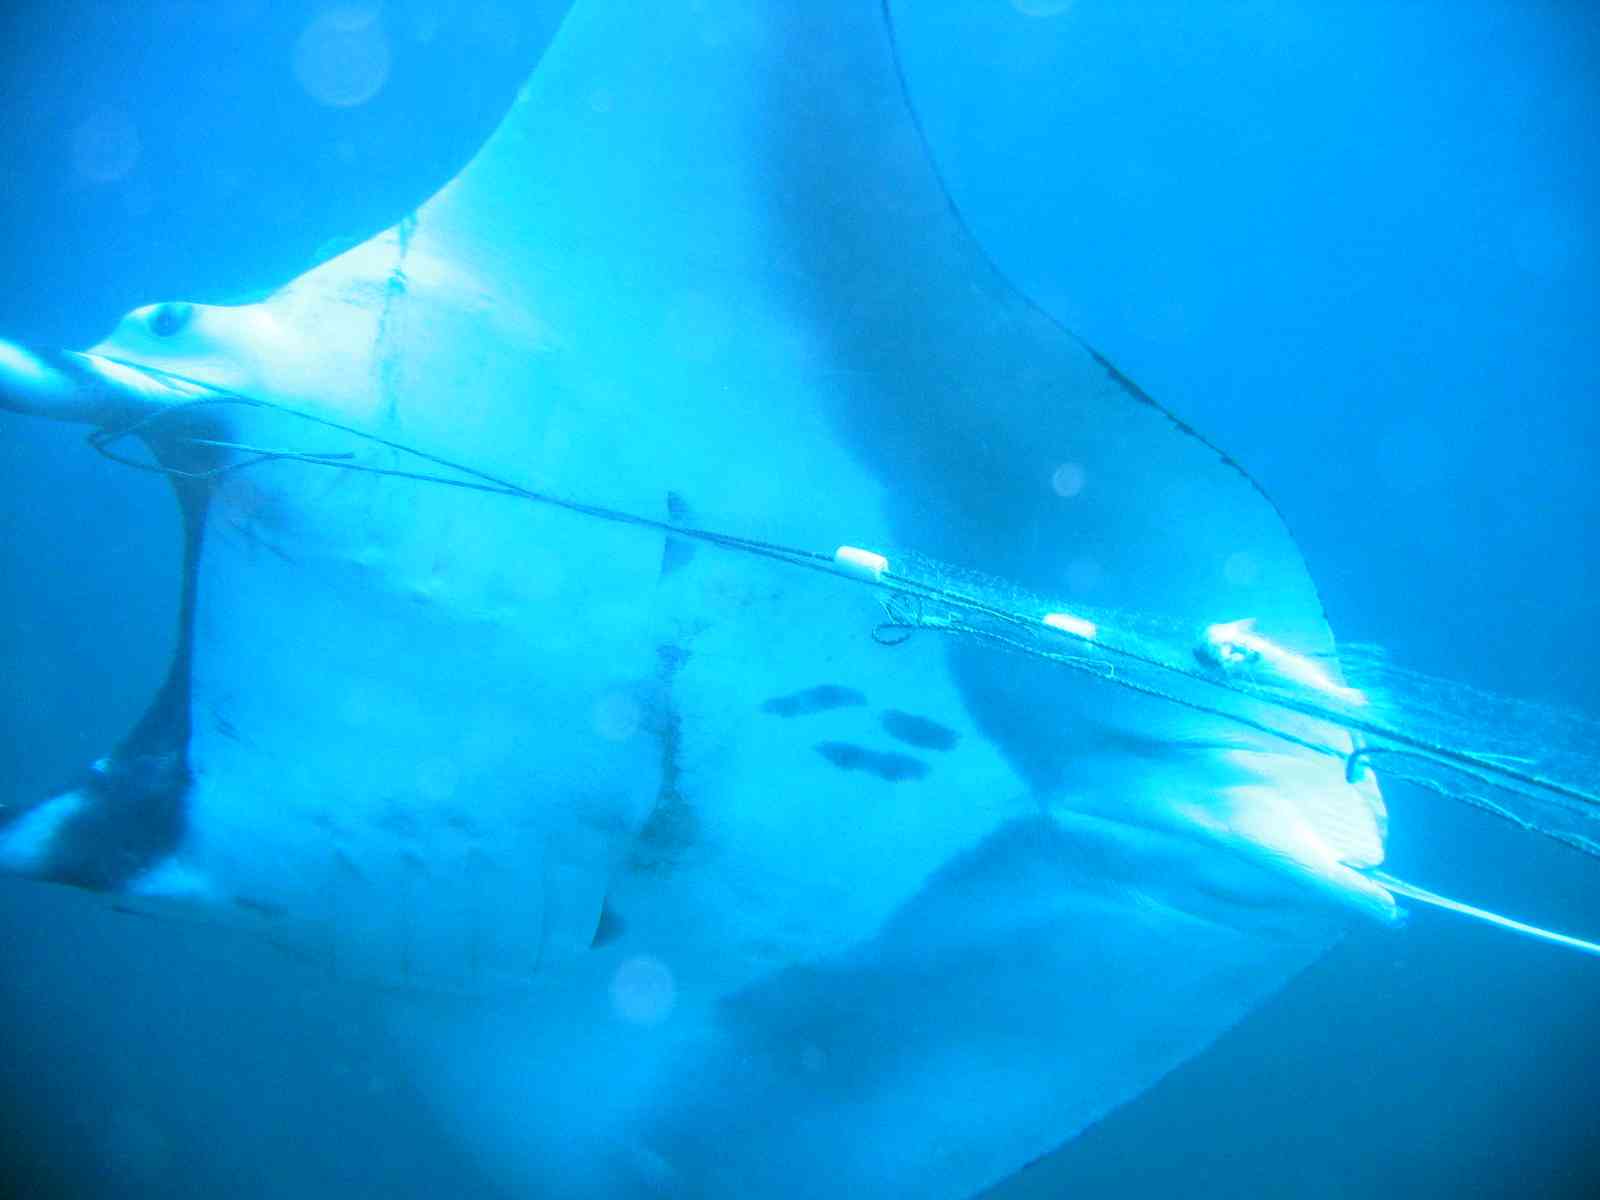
[1527, 764]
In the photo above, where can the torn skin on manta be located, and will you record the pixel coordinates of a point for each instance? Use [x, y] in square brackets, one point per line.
[822, 912]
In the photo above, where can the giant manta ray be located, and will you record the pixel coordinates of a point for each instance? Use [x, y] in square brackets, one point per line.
[829, 901]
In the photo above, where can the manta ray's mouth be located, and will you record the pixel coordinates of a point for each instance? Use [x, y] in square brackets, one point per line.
[76, 386]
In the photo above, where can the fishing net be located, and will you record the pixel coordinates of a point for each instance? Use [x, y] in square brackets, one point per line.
[1529, 764]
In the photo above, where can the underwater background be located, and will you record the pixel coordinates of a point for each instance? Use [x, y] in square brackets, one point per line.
[1354, 244]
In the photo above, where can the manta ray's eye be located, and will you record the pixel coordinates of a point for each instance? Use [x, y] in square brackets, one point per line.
[168, 319]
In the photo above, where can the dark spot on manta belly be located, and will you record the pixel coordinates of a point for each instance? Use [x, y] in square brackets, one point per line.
[813, 700]
[918, 731]
[886, 766]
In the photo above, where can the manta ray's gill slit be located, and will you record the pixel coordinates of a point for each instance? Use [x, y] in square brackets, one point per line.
[931, 597]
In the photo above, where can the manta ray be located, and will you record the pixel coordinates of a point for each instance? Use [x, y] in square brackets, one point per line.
[541, 645]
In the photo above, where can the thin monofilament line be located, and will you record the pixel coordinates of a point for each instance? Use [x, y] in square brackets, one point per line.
[1486, 770]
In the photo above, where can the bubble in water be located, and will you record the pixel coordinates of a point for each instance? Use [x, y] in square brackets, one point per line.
[643, 991]
[1068, 480]
[105, 147]
[342, 58]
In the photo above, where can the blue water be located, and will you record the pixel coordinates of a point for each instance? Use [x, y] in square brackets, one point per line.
[1357, 249]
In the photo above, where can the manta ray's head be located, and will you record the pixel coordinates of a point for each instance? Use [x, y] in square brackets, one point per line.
[311, 345]
[220, 346]
[165, 356]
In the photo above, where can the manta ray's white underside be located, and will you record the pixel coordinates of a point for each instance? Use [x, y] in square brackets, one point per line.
[822, 913]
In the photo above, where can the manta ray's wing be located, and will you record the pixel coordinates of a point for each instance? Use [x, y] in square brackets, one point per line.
[930, 907]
